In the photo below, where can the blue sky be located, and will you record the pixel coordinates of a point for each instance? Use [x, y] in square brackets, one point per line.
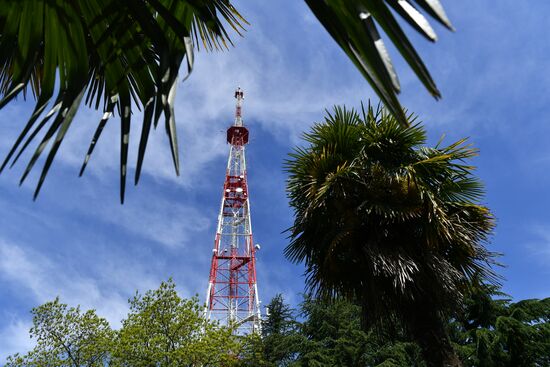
[78, 243]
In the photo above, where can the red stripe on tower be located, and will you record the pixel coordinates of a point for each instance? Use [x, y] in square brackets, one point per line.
[232, 295]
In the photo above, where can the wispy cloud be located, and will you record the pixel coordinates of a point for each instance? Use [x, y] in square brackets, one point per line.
[14, 337]
[540, 246]
[170, 223]
[285, 93]
[45, 280]
[41, 279]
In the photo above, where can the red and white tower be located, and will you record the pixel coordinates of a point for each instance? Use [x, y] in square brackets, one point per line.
[232, 296]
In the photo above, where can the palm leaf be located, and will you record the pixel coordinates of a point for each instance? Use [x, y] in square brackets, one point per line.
[124, 54]
[352, 24]
[381, 218]
[135, 48]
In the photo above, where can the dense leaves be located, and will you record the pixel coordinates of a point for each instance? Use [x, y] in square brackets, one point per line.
[500, 333]
[112, 54]
[66, 336]
[329, 334]
[160, 330]
[163, 329]
[383, 219]
[323, 334]
[280, 333]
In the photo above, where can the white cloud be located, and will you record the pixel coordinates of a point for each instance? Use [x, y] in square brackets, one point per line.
[104, 283]
[45, 280]
[285, 93]
[540, 248]
[14, 337]
[169, 223]
[106, 287]
[289, 81]
[150, 215]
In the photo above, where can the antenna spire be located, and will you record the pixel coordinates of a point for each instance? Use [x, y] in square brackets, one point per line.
[232, 295]
[239, 96]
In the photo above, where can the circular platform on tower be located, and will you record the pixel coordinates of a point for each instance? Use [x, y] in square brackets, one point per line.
[237, 135]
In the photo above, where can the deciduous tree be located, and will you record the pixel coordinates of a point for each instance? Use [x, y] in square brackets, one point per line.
[165, 330]
[66, 336]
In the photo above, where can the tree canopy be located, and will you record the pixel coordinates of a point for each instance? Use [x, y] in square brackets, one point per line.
[323, 333]
[162, 329]
[382, 219]
[66, 336]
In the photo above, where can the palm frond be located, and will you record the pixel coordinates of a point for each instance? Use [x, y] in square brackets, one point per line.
[378, 213]
[125, 54]
[353, 25]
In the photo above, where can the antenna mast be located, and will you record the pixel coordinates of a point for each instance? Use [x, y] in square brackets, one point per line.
[232, 295]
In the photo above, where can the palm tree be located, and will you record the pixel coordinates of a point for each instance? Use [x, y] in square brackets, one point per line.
[382, 220]
[115, 53]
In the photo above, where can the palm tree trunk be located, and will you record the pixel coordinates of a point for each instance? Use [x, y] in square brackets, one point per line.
[429, 332]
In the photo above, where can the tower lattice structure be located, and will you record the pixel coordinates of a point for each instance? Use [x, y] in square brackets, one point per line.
[232, 296]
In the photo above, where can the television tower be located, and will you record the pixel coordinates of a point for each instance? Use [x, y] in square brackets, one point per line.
[232, 296]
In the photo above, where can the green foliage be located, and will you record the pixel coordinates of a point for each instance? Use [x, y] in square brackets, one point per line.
[336, 338]
[499, 333]
[164, 330]
[252, 352]
[279, 319]
[161, 330]
[329, 335]
[489, 332]
[333, 333]
[121, 52]
[383, 219]
[66, 336]
[281, 339]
